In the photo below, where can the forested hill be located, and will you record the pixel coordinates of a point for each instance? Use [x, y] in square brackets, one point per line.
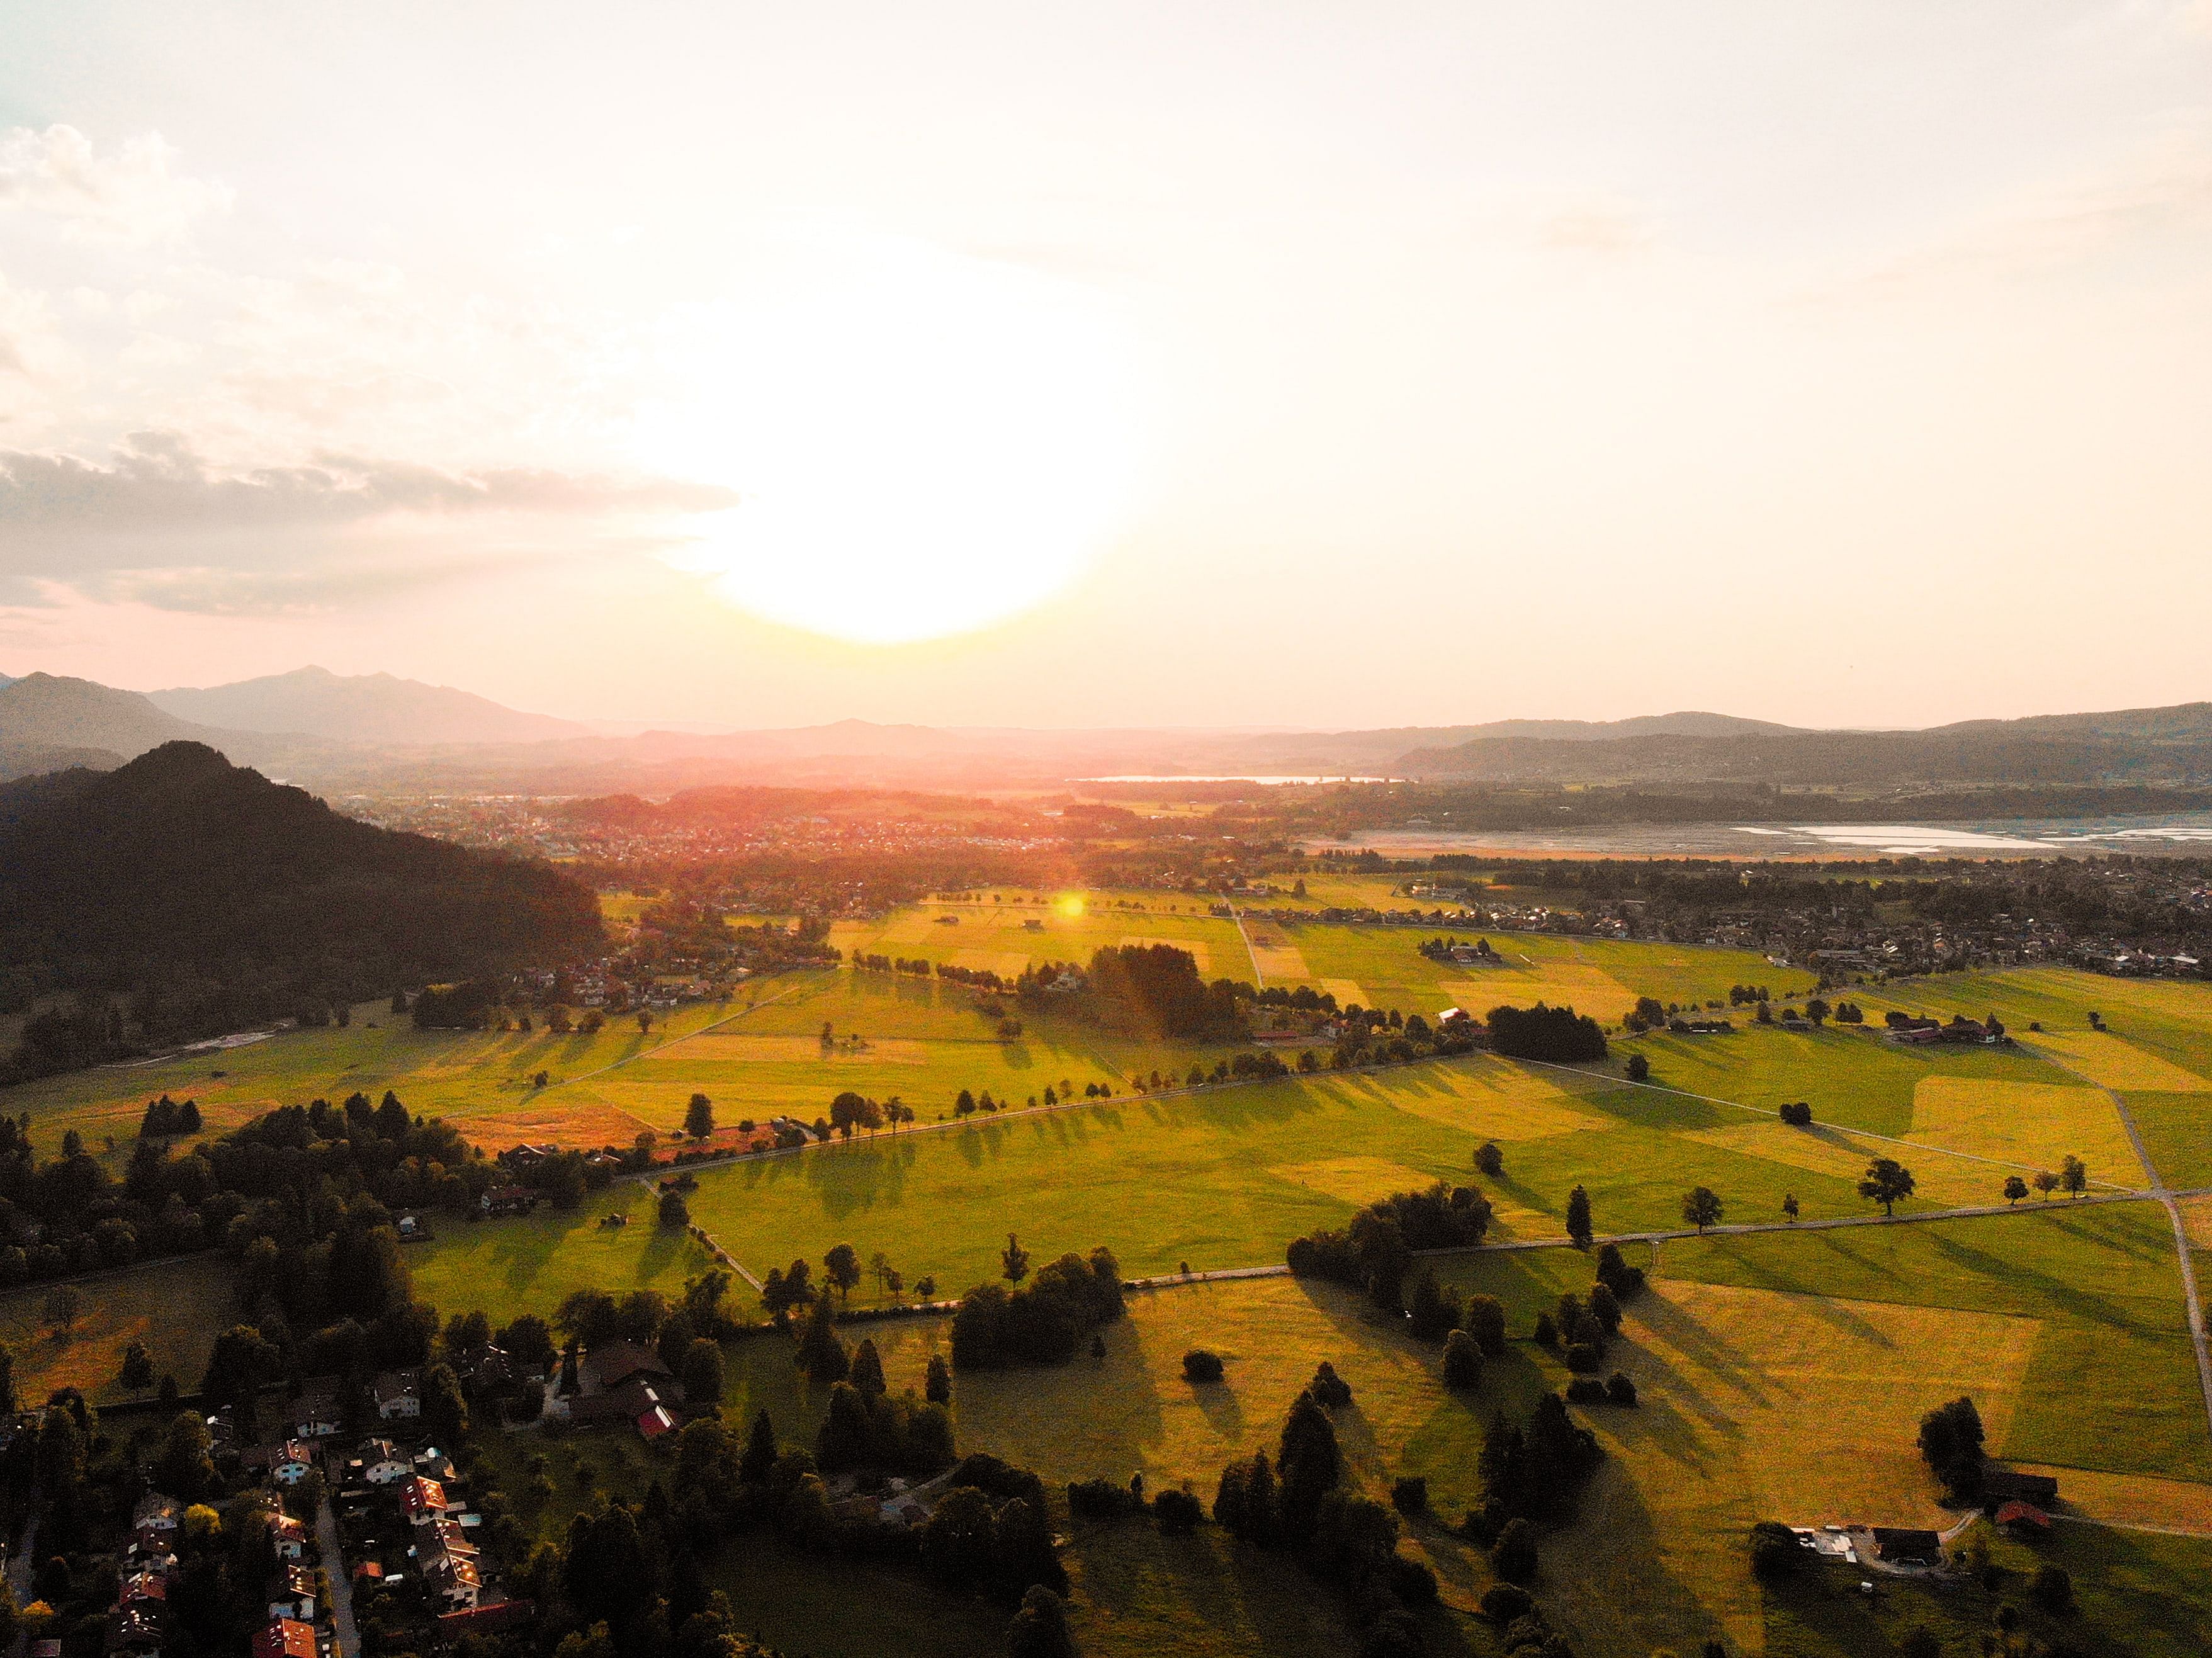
[183, 896]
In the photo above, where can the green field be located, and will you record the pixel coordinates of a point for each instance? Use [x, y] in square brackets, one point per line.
[1783, 1374]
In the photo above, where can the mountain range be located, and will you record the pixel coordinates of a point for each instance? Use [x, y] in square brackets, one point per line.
[376, 730]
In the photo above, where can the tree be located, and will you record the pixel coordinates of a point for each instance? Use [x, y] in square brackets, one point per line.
[674, 1211]
[937, 1384]
[1040, 1629]
[1484, 1318]
[2052, 1590]
[2047, 1182]
[842, 1266]
[1886, 1181]
[1951, 1442]
[1202, 1366]
[1462, 1361]
[2015, 1188]
[64, 1306]
[1701, 1207]
[1489, 1159]
[1639, 1068]
[138, 1373]
[2074, 1175]
[701, 1374]
[1578, 1217]
[1789, 1204]
[759, 1459]
[821, 1355]
[1013, 1261]
[699, 1117]
[445, 1414]
[1513, 1556]
[239, 1365]
[867, 1374]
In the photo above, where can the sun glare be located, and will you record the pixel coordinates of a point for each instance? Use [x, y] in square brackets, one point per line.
[923, 443]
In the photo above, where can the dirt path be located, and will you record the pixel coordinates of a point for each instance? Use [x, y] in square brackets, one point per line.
[1259, 979]
[2167, 1197]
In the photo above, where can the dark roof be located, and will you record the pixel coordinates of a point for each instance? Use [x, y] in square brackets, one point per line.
[1894, 1542]
[2006, 1485]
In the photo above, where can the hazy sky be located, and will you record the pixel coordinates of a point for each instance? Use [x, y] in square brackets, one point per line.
[1187, 363]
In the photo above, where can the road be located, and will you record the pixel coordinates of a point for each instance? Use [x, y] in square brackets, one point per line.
[347, 1643]
[2168, 1198]
[1259, 979]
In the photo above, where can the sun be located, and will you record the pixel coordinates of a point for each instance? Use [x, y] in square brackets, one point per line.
[923, 443]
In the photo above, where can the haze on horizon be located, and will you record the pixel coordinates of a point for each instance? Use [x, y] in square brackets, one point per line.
[1842, 365]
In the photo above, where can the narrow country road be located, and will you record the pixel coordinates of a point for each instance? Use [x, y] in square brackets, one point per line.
[347, 1645]
[1259, 979]
[2167, 1197]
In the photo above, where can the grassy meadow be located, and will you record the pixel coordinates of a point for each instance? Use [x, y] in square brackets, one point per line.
[1782, 1373]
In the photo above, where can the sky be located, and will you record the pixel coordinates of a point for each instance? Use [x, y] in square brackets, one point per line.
[1213, 364]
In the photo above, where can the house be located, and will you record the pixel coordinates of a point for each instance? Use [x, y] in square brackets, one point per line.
[448, 1566]
[285, 1638]
[422, 1498]
[156, 1513]
[314, 1414]
[287, 1537]
[291, 1460]
[2020, 1518]
[2000, 1485]
[489, 1619]
[607, 1368]
[508, 1200]
[399, 1396]
[1900, 1546]
[292, 1593]
[136, 1629]
[382, 1462]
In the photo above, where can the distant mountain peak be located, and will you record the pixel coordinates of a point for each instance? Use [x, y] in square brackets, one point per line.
[374, 708]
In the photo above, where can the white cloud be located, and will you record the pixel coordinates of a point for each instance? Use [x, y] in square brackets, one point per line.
[131, 195]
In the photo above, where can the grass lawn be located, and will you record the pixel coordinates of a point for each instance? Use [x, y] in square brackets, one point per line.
[529, 1263]
[175, 1307]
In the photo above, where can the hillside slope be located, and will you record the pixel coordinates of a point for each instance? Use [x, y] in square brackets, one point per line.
[211, 898]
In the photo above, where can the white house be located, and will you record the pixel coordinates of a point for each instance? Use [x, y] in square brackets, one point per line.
[292, 1461]
[382, 1462]
[397, 1396]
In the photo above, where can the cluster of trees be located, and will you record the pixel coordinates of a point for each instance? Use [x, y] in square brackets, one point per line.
[165, 1119]
[1151, 990]
[1298, 1504]
[867, 1427]
[2073, 1177]
[1376, 1250]
[254, 1181]
[182, 897]
[1533, 1473]
[1041, 1322]
[1555, 1034]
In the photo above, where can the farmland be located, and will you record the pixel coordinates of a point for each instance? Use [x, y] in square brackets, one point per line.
[1782, 1373]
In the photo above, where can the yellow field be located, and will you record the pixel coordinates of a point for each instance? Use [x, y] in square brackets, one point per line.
[1346, 991]
[1562, 984]
[1356, 1180]
[2115, 1062]
[735, 1048]
[1279, 959]
[2197, 1218]
[1495, 1099]
[1200, 952]
[1760, 1405]
[2038, 1124]
[560, 1119]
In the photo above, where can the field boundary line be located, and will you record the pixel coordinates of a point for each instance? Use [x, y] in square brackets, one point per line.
[1259, 979]
[662, 1048]
[1841, 1128]
[2192, 1306]
[1826, 1223]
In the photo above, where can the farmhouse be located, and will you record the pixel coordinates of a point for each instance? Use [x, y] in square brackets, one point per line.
[1900, 1546]
[508, 1200]
[2000, 1485]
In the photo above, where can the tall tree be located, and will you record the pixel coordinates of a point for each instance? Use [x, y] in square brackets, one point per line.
[1013, 1261]
[1701, 1207]
[699, 1117]
[1578, 1217]
[1887, 1183]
